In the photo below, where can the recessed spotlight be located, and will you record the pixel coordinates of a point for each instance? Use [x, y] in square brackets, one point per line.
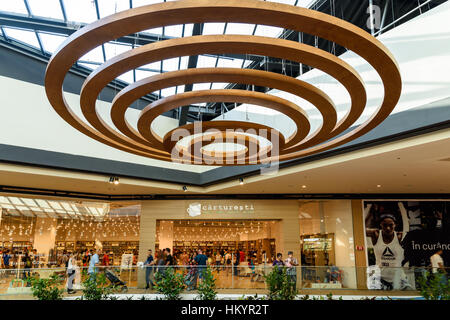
[184, 188]
[303, 186]
[241, 181]
[114, 180]
[378, 185]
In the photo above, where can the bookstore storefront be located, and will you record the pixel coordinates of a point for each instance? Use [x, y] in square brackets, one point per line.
[52, 229]
[319, 233]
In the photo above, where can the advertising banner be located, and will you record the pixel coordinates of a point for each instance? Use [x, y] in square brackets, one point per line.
[401, 237]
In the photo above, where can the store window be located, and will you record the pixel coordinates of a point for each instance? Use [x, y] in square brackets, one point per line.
[326, 239]
[251, 237]
[54, 228]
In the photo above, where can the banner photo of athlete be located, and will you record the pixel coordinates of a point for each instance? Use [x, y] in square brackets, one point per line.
[401, 237]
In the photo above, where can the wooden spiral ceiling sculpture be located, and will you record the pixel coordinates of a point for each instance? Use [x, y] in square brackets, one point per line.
[144, 141]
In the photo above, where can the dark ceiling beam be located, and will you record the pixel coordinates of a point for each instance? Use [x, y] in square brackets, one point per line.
[66, 28]
[54, 26]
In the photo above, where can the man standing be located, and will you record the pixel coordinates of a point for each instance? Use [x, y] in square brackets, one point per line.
[169, 258]
[148, 264]
[437, 263]
[201, 262]
[6, 257]
[94, 261]
[291, 264]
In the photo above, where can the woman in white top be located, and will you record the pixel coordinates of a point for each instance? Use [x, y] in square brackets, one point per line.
[71, 264]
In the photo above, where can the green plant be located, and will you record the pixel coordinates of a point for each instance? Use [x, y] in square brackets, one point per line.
[169, 283]
[94, 287]
[279, 285]
[434, 287]
[47, 289]
[207, 287]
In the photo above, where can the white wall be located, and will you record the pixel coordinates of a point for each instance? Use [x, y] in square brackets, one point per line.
[421, 47]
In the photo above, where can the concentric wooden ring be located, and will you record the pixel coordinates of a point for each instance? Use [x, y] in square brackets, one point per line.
[243, 11]
[244, 76]
[233, 44]
[196, 146]
[160, 106]
[274, 136]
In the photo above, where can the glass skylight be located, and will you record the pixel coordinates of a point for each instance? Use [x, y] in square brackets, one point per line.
[16, 6]
[240, 28]
[85, 11]
[109, 7]
[24, 36]
[47, 8]
[80, 10]
[51, 42]
[114, 49]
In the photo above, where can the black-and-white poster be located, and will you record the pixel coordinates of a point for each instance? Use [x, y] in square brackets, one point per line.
[401, 238]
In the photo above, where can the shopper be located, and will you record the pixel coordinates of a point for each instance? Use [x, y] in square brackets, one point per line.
[437, 264]
[251, 265]
[148, 264]
[291, 264]
[86, 258]
[105, 259]
[201, 262]
[161, 262]
[218, 260]
[27, 264]
[169, 258]
[94, 261]
[236, 261]
[278, 261]
[35, 258]
[76, 265]
[6, 257]
[71, 272]
[228, 261]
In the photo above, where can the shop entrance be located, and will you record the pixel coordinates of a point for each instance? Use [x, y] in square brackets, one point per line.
[251, 237]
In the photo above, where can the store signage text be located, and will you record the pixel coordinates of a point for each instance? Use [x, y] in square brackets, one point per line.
[228, 208]
[196, 209]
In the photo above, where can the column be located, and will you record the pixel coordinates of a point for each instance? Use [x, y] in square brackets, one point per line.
[359, 241]
[147, 238]
[290, 234]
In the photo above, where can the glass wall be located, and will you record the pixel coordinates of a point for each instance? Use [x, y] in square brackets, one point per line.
[327, 250]
[47, 231]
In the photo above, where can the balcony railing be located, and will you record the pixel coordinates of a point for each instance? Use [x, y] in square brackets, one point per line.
[239, 279]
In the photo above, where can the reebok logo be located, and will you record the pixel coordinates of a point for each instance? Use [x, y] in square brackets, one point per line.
[388, 254]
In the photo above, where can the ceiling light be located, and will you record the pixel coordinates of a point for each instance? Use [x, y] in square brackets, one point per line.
[303, 186]
[114, 180]
[378, 185]
[241, 181]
